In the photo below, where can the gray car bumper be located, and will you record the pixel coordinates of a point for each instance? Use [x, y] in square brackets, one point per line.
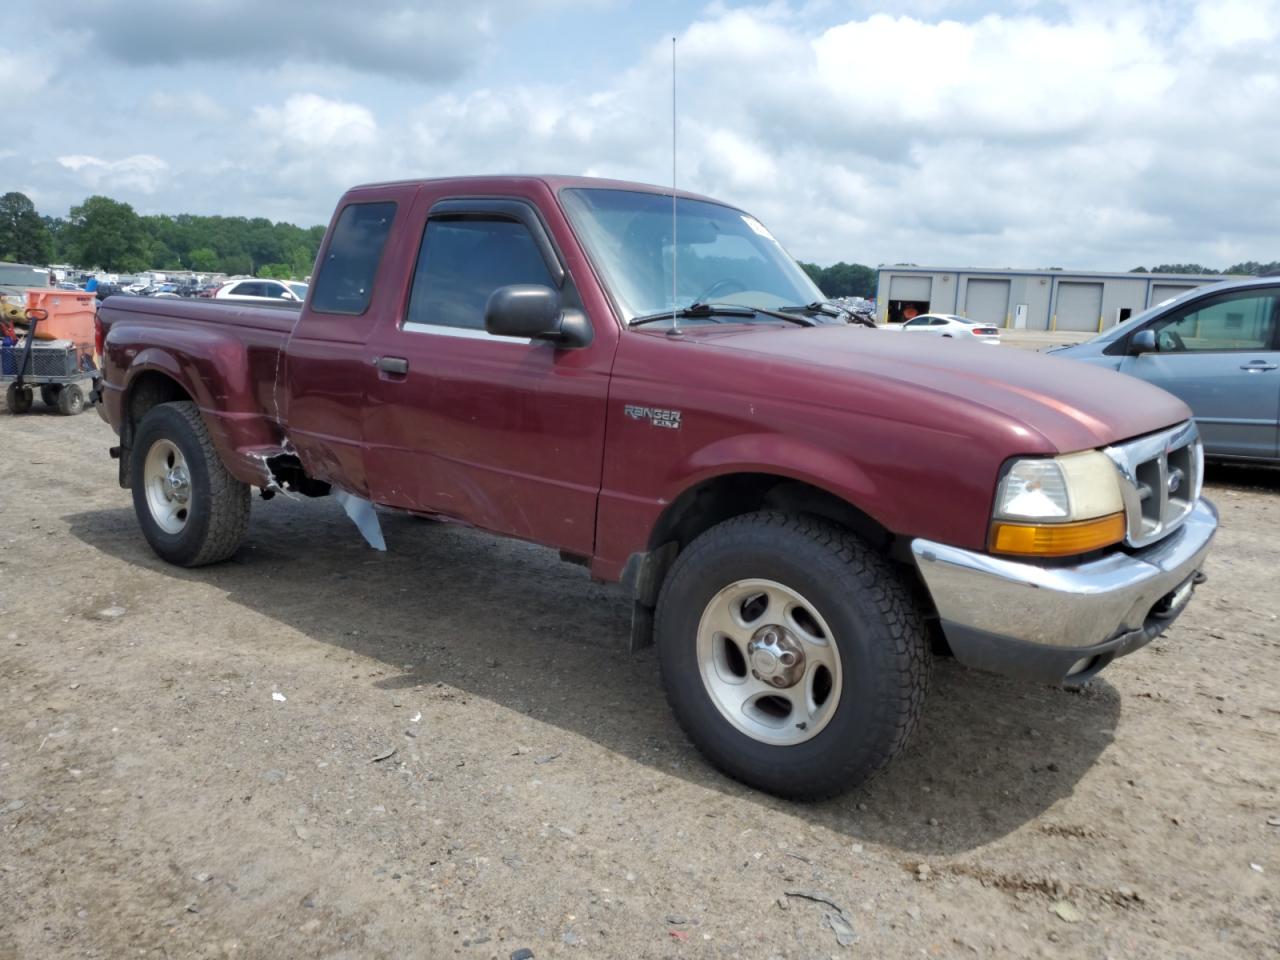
[1063, 623]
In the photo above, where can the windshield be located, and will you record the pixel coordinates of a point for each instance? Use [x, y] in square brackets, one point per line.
[722, 255]
[299, 290]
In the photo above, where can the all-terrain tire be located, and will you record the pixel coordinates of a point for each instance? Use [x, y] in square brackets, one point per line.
[877, 628]
[70, 399]
[218, 507]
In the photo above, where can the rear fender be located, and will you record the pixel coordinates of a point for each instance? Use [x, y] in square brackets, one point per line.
[215, 376]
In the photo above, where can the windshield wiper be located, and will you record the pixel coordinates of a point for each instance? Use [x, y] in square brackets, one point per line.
[710, 311]
[829, 309]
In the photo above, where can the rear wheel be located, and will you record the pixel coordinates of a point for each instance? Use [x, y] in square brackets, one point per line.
[792, 654]
[70, 400]
[191, 509]
[19, 399]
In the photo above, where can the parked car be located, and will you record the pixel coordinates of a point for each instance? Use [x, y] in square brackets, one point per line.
[950, 327]
[795, 509]
[276, 290]
[1217, 348]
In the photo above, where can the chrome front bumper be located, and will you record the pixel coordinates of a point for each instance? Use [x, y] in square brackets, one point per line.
[1062, 622]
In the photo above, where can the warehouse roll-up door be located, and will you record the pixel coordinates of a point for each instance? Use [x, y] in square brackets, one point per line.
[910, 288]
[1160, 292]
[1079, 306]
[987, 301]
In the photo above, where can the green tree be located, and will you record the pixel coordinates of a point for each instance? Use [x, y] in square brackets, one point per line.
[1253, 268]
[1183, 268]
[276, 271]
[1138, 270]
[24, 238]
[203, 260]
[843, 279]
[107, 233]
[171, 242]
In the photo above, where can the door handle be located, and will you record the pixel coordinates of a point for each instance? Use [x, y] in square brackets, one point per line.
[398, 365]
[1257, 365]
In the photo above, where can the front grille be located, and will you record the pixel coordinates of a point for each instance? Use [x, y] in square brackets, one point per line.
[1161, 475]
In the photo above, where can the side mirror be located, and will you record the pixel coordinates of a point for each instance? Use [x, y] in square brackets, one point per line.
[533, 310]
[1144, 341]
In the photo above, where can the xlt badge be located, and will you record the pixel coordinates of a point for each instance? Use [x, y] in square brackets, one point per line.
[668, 419]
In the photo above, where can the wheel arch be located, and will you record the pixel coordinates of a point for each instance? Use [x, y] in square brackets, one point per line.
[719, 497]
[149, 386]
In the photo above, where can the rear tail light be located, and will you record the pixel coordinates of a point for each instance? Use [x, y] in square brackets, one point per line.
[984, 331]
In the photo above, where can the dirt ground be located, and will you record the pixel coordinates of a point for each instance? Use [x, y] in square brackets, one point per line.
[189, 762]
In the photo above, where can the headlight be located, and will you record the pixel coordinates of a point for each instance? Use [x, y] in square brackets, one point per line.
[1057, 507]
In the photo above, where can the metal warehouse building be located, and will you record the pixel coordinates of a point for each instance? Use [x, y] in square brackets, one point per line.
[1027, 299]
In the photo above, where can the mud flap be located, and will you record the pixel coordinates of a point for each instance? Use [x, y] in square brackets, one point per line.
[364, 516]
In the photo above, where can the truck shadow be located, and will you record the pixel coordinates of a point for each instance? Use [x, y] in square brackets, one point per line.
[510, 623]
[1242, 476]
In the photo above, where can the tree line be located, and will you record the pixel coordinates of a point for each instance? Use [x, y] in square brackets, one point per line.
[110, 235]
[843, 279]
[1249, 268]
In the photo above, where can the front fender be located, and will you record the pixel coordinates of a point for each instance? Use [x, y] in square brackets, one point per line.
[783, 456]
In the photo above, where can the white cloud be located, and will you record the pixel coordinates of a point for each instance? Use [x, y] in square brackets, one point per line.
[141, 172]
[22, 76]
[311, 122]
[193, 105]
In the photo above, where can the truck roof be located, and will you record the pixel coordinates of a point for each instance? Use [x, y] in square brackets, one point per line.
[554, 181]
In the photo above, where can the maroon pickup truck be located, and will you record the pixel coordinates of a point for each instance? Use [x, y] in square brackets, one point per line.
[801, 512]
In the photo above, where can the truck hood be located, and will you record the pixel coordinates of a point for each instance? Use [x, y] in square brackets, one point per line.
[1070, 405]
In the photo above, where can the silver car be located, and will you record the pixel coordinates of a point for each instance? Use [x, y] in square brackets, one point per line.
[1218, 348]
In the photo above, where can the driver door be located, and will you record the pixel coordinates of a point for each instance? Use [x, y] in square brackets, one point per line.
[1221, 355]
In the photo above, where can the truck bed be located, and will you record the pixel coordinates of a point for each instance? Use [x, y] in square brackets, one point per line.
[230, 352]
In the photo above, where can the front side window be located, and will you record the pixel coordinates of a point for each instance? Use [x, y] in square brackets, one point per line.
[721, 255]
[462, 261]
[1240, 321]
[345, 282]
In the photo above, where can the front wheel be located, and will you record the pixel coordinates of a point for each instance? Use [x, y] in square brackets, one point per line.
[191, 509]
[793, 655]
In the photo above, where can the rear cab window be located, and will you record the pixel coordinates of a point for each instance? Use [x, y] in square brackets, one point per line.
[345, 281]
[462, 261]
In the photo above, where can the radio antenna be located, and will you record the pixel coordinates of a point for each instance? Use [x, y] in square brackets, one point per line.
[675, 318]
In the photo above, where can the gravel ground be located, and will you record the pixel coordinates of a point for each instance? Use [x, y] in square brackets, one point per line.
[318, 750]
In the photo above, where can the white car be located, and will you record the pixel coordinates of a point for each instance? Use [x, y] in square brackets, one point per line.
[275, 291]
[951, 327]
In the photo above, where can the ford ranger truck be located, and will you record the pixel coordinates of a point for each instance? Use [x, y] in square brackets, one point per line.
[800, 512]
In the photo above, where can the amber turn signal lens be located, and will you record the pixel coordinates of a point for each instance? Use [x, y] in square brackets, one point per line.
[1056, 539]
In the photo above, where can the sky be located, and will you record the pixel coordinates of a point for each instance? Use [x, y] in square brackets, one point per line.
[1095, 135]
